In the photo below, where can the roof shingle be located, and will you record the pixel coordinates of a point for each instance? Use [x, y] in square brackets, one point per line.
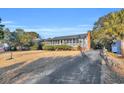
[68, 37]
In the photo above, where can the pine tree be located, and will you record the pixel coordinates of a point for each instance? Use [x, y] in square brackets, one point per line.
[1, 30]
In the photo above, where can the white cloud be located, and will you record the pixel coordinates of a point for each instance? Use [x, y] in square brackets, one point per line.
[85, 25]
[7, 22]
[51, 29]
[57, 29]
[46, 32]
[60, 29]
[16, 26]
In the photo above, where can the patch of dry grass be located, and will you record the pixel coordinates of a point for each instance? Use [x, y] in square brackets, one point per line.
[31, 56]
[117, 63]
[113, 55]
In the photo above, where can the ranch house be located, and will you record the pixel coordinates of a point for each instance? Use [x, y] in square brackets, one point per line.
[72, 40]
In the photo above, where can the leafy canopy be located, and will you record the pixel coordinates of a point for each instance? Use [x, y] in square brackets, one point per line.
[108, 29]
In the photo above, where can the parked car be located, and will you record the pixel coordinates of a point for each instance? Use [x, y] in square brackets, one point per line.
[25, 48]
[2, 48]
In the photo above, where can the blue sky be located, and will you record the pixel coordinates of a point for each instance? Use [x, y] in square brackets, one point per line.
[51, 22]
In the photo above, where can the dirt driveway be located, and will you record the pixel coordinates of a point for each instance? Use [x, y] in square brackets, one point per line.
[62, 67]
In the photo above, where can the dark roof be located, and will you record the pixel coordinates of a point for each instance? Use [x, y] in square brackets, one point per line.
[68, 37]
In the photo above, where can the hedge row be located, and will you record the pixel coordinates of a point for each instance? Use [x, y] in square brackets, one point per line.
[57, 47]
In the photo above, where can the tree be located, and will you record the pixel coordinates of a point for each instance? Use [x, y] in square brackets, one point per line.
[108, 29]
[33, 35]
[26, 39]
[7, 35]
[1, 30]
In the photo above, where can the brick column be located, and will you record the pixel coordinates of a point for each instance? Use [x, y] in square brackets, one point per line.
[122, 47]
[89, 40]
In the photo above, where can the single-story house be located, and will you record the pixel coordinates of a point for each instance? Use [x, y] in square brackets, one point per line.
[72, 40]
[118, 47]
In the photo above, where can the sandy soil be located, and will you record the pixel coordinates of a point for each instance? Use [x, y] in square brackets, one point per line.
[116, 63]
[56, 67]
[29, 66]
[31, 56]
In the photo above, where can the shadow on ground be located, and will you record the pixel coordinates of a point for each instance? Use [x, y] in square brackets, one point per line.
[16, 72]
[5, 69]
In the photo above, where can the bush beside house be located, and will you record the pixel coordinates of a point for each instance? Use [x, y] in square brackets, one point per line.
[57, 47]
[34, 47]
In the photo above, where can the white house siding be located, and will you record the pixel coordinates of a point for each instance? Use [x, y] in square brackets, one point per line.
[72, 40]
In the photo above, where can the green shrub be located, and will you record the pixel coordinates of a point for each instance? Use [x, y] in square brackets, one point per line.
[57, 47]
[34, 47]
[48, 47]
[62, 47]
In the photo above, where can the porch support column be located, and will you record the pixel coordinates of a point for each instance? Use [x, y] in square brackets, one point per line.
[72, 41]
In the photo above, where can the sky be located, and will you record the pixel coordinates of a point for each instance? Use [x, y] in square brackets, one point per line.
[52, 22]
